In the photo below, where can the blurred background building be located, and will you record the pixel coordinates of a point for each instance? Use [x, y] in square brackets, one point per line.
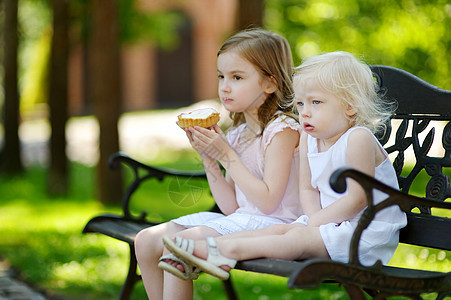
[174, 76]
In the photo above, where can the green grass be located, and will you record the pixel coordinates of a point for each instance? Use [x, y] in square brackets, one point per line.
[42, 237]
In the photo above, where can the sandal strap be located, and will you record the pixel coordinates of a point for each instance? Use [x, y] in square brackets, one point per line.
[190, 272]
[215, 257]
[185, 244]
[171, 256]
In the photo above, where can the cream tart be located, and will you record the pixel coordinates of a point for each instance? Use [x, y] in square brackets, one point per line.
[204, 117]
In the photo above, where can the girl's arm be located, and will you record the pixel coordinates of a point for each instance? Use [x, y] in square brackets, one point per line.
[266, 194]
[308, 195]
[363, 154]
[222, 187]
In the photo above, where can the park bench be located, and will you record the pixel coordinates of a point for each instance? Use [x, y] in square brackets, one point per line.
[423, 112]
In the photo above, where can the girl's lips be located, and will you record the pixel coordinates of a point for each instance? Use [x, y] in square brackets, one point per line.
[308, 127]
[227, 100]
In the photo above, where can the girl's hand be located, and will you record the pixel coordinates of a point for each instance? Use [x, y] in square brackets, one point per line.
[190, 137]
[212, 143]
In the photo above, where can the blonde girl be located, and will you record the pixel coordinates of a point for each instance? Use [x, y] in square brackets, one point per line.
[339, 110]
[260, 156]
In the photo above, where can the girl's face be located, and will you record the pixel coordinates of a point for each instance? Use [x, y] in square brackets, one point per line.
[241, 87]
[321, 114]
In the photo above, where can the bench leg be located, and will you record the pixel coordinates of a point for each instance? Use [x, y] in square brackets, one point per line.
[230, 291]
[132, 276]
[354, 292]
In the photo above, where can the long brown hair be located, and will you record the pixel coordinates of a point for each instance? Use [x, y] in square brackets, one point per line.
[270, 53]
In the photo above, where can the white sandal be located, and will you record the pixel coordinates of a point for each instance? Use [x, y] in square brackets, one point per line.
[190, 272]
[213, 262]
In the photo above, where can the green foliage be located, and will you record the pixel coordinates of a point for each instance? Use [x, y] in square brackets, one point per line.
[135, 25]
[409, 34]
[158, 27]
[35, 33]
[35, 77]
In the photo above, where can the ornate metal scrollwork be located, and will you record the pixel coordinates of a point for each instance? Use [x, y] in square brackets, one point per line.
[446, 140]
[438, 187]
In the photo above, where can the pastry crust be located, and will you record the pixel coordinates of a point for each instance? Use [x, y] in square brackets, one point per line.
[204, 117]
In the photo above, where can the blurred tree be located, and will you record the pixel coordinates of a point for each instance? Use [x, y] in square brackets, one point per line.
[105, 92]
[411, 34]
[58, 99]
[250, 14]
[11, 155]
[157, 27]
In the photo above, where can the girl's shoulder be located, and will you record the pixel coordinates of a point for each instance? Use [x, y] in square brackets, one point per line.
[282, 121]
[361, 137]
[277, 125]
[361, 134]
[365, 136]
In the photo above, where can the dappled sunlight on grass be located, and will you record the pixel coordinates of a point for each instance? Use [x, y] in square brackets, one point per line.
[415, 257]
[58, 216]
[99, 273]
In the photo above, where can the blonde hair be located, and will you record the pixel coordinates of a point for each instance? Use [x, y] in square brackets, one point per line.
[351, 81]
[270, 54]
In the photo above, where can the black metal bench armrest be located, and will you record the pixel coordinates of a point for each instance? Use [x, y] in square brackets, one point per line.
[379, 283]
[394, 197]
[142, 172]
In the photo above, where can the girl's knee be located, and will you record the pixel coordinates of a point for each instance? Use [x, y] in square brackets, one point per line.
[198, 233]
[148, 242]
[145, 242]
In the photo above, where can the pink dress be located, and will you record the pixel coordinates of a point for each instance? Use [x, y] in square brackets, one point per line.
[248, 216]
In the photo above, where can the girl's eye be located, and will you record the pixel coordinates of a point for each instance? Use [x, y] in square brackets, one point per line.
[316, 102]
[236, 77]
[300, 103]
[221, 76]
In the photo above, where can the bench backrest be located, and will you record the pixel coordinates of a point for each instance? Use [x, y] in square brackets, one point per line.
[420, 127]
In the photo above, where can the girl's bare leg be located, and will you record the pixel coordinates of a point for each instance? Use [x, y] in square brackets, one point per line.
[148, 250]
[174, 287]
[299, 242]
[270, 230]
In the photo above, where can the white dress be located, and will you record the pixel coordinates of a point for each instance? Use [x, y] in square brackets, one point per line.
[248, 216]
[380, 239]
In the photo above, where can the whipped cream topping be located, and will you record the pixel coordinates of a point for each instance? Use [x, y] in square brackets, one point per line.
[198, 113]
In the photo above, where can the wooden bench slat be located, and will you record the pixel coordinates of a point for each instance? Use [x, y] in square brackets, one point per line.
[414, 95]
[427, 231]
[116, 227]
[277, 267]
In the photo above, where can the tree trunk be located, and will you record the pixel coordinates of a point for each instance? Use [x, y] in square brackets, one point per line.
[57, 184]
[105, 92]
[11, 159]
[250, 14]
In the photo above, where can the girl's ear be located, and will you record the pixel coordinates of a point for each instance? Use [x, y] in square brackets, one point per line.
[270, 85]
[350, 111]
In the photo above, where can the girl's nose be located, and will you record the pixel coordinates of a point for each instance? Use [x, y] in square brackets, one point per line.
[305, 112]
[224, 85]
